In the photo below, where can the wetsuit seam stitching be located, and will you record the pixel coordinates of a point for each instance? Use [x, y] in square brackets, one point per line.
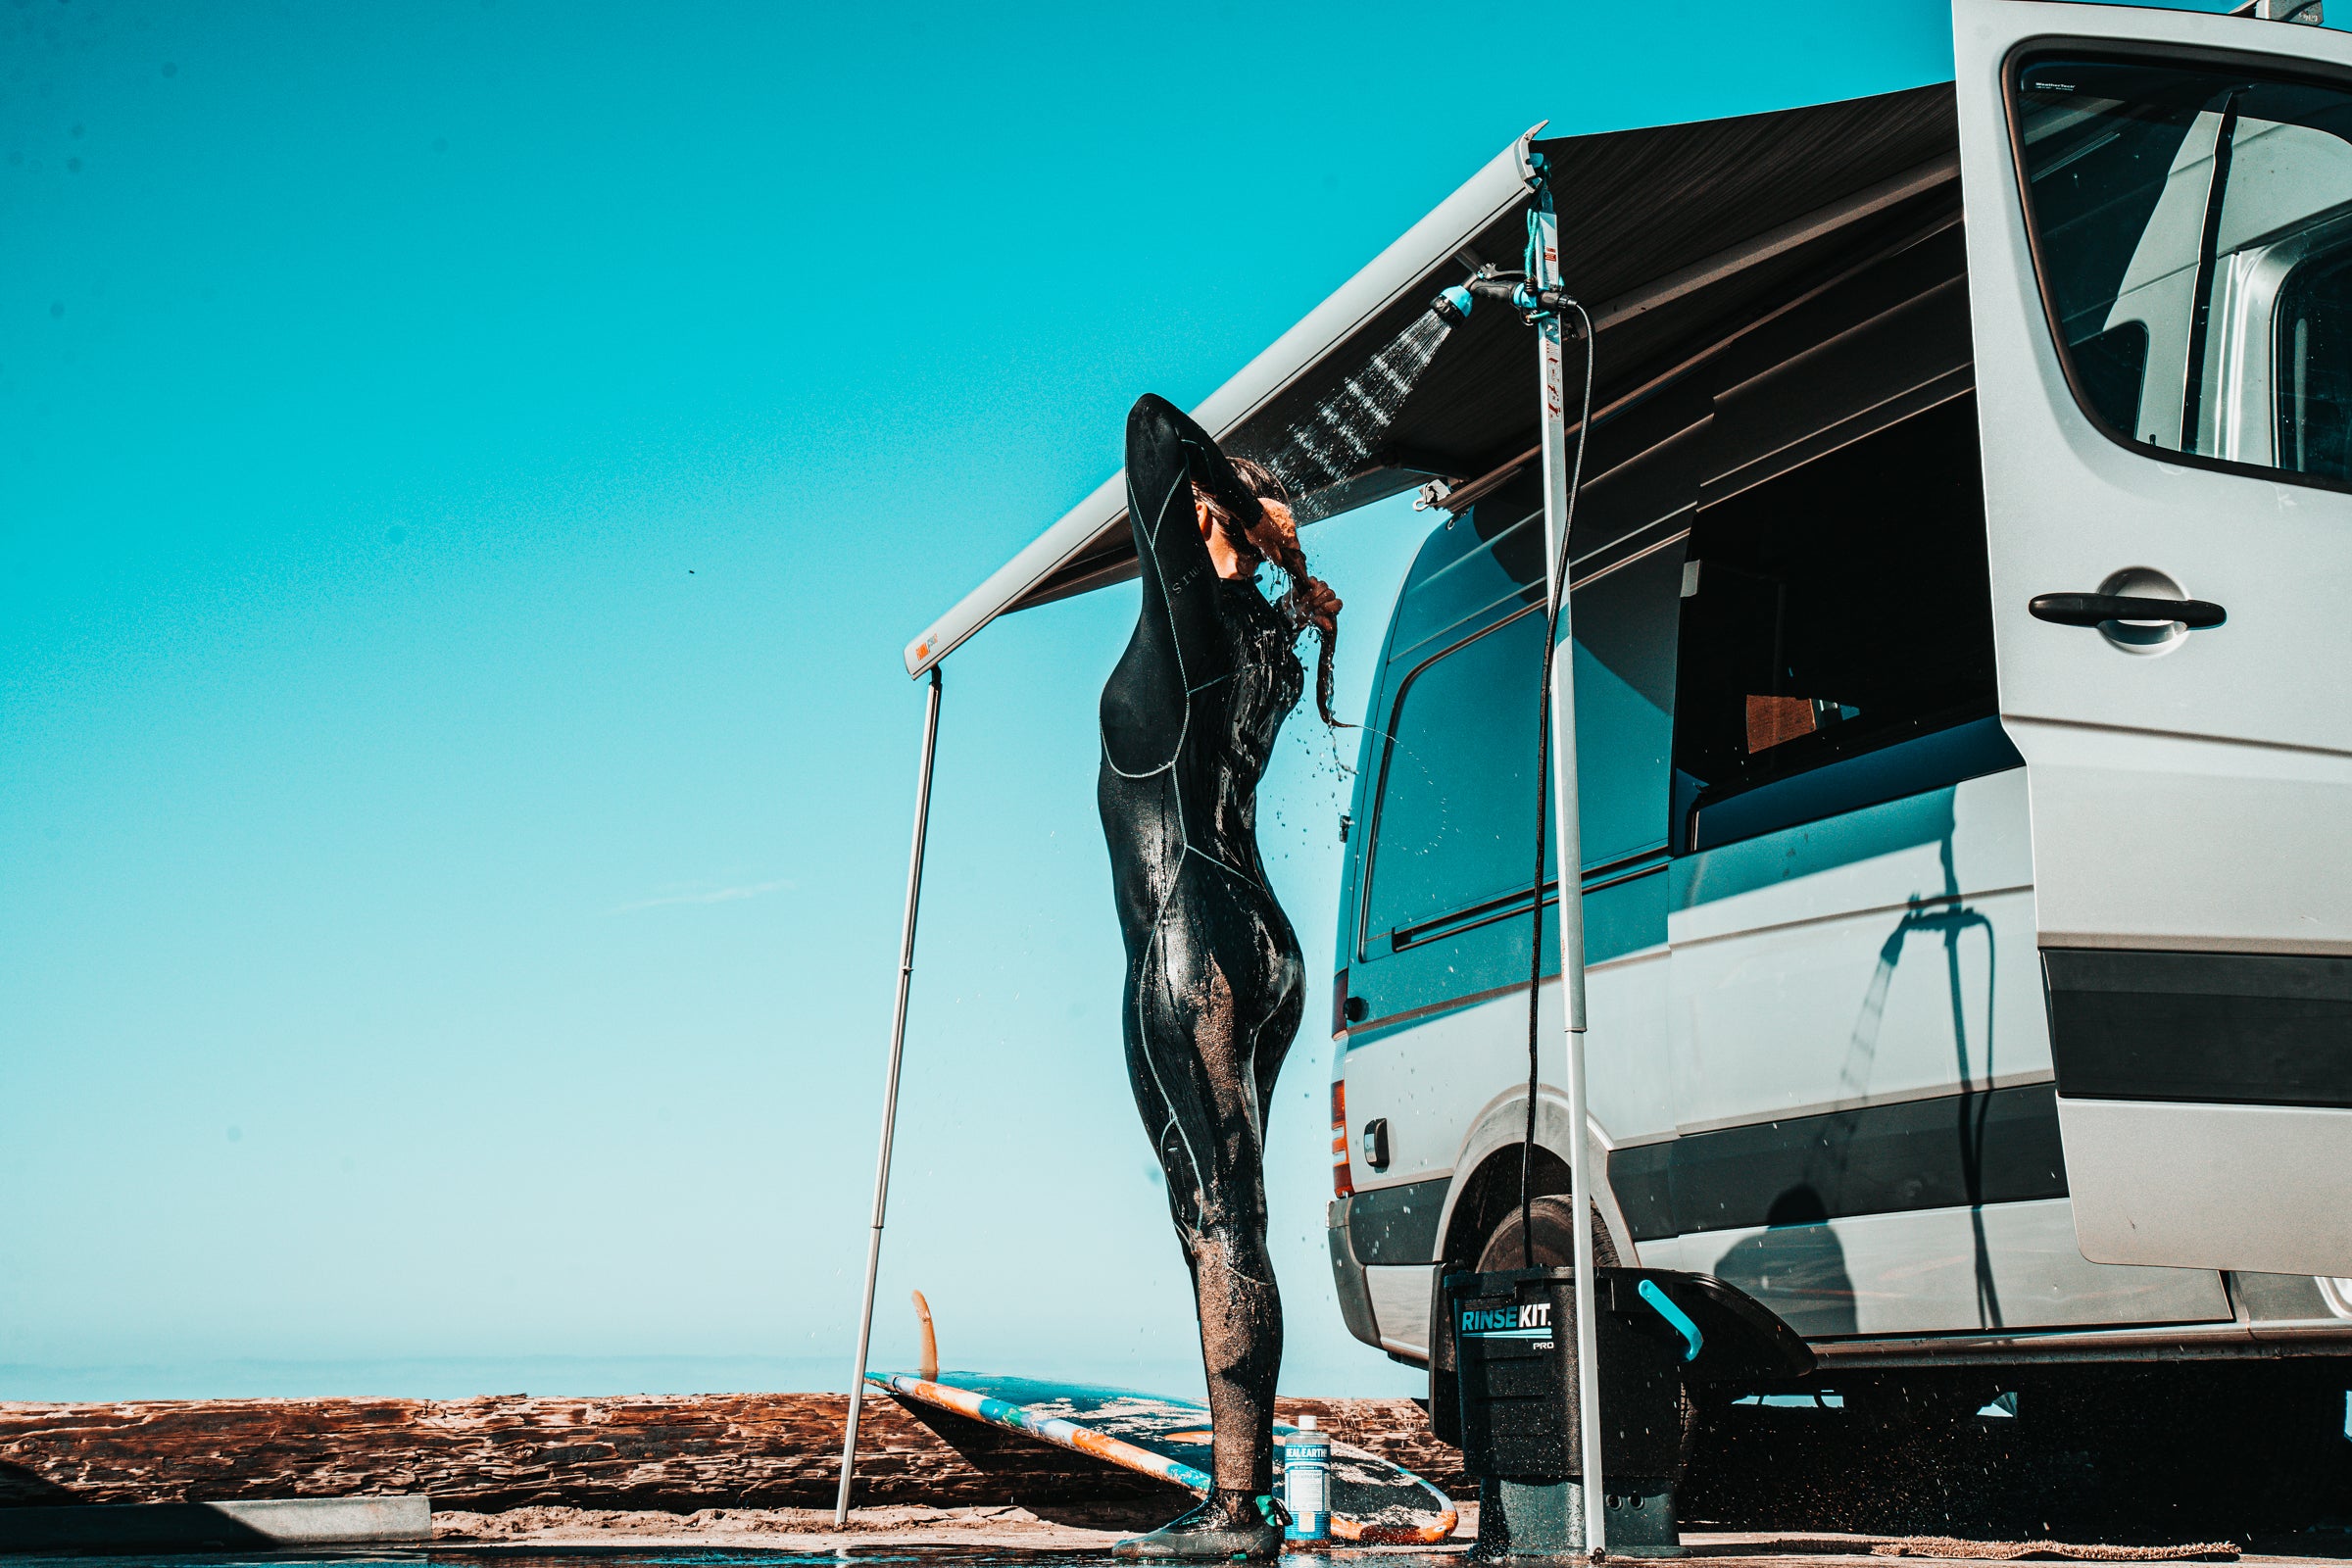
[1168, 606]
[1194, 849]
[1192, 1157]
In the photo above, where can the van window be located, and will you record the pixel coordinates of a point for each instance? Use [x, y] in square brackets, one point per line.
[1836, 610]
[1625, 631]
[1453, 837]
[2314, 370]
[2193, 228]
[1472, 569]
[1456, 828]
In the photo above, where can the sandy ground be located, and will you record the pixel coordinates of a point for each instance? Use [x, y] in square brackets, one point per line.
[1083, 1530]
[1003, 1528]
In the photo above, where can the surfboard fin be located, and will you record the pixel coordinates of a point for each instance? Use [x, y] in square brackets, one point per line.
[927, 1366]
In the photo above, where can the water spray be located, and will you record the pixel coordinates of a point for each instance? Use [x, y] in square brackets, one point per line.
[1339, 438]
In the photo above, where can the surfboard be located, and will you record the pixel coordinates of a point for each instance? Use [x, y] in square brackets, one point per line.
[1372, 1500]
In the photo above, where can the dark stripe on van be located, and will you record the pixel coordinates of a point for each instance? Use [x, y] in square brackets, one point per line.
[1398, 1224]
[2225, 1028]
[1642, 1177]
[1944, 1153]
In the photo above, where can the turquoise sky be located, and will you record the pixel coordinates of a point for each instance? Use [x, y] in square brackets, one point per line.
[466, 471]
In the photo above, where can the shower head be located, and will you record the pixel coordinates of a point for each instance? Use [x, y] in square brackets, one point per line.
[1454, 304]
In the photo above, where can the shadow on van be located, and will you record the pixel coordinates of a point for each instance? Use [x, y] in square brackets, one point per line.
[1796, 1267]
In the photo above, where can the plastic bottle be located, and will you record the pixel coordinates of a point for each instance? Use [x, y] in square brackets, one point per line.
[1306, 1482]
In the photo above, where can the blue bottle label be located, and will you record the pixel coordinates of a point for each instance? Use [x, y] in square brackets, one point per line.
[1307, 1488]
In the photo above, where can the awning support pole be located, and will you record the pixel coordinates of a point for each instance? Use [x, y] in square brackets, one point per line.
[890, 1097]
[1557, 478]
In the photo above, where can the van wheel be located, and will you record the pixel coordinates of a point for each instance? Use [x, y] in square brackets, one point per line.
[1553, 1221]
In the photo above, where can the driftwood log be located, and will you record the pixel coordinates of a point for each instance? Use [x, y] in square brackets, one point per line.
[640, 1452]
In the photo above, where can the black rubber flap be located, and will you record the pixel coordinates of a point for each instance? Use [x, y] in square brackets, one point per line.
[1506, 1344]
[1745, 1340]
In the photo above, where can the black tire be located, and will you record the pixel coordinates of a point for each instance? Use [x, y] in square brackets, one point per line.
[1555, 1224]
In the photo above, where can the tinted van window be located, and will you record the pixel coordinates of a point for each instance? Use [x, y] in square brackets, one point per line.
[1470, 569]
[1836, 610]
[2192, 226]
[1454, 830]
[1456, 813]
[2314, 370]
[1625, 634]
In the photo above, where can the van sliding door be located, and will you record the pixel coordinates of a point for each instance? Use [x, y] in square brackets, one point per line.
[2160, 276]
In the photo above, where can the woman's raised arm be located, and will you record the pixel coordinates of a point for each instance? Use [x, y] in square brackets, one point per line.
[1178, 644]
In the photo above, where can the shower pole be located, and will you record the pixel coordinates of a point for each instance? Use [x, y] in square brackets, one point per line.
[890, 1096]
[1570, 837]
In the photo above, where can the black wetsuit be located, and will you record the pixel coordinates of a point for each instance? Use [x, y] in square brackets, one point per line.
[1214, 983]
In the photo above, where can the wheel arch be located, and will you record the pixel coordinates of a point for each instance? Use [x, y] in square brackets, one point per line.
[1487, 1174]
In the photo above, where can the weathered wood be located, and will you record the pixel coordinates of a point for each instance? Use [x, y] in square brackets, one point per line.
[640, 1452]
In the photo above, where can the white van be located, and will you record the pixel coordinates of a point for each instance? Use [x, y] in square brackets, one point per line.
[1970, 955]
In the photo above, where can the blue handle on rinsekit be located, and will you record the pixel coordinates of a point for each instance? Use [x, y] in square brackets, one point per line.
[1664, 1304]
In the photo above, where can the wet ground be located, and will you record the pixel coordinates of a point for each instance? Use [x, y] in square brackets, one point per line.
[2116, 1468]
[2170, 1454]
[918, 1544]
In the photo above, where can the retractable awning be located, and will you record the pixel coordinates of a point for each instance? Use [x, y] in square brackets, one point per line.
[1669, 234]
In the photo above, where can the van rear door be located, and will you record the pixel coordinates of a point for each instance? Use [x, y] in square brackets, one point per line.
[2160, 266]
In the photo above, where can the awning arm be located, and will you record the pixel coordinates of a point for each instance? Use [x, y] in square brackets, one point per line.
[890, 1100]
[1440, 234]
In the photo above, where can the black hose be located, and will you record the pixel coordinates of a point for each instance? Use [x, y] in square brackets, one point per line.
[1553, 605]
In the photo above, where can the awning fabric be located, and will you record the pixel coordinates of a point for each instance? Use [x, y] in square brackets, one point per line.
[1671, 235]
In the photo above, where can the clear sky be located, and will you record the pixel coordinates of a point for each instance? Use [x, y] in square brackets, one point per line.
[466, 473]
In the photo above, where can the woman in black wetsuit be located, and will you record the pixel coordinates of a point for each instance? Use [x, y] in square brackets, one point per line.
[1214, 983]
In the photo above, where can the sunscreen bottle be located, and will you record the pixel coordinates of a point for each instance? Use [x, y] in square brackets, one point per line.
[1306, 1482]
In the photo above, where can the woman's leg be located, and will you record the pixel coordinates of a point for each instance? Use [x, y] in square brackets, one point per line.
[1241, 1352]
[1202, 1061]
[1233, 1279]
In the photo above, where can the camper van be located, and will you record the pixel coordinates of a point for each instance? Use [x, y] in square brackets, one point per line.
[1969, 954]
[1961, 575]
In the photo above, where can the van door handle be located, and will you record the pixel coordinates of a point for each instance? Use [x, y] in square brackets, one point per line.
[2092, 609]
